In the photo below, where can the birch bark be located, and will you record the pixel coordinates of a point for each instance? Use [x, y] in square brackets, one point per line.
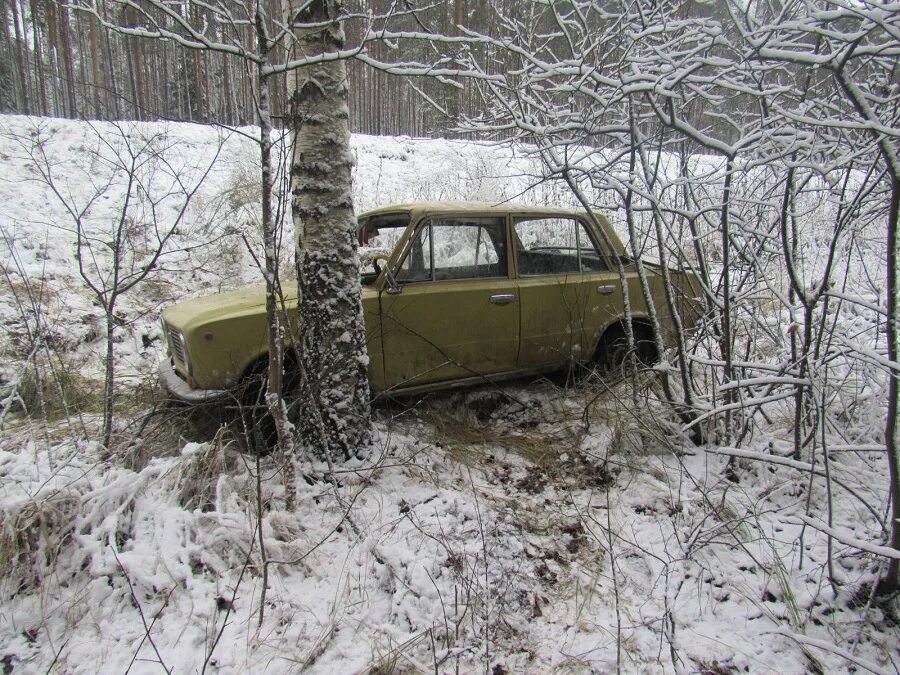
[334, 388]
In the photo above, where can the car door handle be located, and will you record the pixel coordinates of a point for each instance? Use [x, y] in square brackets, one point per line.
[503, 299]
[607, 289]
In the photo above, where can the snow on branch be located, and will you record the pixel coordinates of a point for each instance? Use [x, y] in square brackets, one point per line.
[846, 539]
[832, 648]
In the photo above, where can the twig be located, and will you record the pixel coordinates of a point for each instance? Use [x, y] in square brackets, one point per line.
[262, 545]
[615, 579]
[147, 628]
[56, 656]
[230, 606]
[799, 466]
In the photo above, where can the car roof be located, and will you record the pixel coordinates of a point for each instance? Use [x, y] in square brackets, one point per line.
[417, 209]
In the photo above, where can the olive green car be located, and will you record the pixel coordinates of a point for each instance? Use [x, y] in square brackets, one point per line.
[455, 294]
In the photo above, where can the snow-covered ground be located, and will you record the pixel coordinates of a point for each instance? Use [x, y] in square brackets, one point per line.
[535, 529]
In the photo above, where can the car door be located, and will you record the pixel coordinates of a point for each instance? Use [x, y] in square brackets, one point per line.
[600, 290]
[565, 289]
[456, 314]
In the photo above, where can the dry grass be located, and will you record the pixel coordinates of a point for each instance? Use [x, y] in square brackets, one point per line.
[40, 294]
[54, 390]
[31, 536]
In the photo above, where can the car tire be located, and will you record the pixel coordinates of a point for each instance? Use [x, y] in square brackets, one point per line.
[612, 351]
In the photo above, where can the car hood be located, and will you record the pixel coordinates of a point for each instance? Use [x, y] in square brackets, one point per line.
[208, 308]
[241, 302]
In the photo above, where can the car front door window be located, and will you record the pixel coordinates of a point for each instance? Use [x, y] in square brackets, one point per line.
[456, 248]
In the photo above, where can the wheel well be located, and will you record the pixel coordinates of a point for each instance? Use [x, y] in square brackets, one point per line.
[643, 337]
[641, 328]
[257, 369]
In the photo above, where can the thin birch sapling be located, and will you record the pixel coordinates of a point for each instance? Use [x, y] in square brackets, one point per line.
[119, 244]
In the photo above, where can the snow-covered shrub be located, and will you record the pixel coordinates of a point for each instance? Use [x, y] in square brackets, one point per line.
[196, 476]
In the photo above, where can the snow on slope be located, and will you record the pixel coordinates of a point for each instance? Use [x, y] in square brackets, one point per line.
[492, 532]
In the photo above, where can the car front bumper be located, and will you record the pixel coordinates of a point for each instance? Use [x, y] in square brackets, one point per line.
[179, 389]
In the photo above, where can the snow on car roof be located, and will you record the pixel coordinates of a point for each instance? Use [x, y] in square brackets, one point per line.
[418, 208]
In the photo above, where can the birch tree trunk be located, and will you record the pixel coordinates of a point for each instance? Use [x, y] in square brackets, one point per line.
[333, 420]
